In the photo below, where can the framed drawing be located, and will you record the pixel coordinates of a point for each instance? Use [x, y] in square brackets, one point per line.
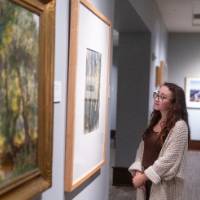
[26, 97]
[88, 87]
[192, 92]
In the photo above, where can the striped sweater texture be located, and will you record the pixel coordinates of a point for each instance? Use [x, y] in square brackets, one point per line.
[167, 172]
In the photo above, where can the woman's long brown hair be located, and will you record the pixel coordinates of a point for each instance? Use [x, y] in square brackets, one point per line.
[178, 111]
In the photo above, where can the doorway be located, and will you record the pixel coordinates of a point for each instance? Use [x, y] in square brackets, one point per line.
[129, 93]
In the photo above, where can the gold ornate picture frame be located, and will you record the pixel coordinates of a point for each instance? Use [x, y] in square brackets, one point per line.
[26, 97]
[88, 93]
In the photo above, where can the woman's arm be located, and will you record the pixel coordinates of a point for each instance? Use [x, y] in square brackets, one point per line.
[139, 179]
[137, 164]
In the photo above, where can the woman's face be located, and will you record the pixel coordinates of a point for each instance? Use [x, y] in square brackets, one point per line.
[162, 99]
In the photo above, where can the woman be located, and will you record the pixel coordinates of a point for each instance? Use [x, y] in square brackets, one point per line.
[158, 168]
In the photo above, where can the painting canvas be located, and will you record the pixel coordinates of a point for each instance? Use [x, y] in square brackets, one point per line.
[26, 97]
[193, 92]
[92, 88]
[18, 90]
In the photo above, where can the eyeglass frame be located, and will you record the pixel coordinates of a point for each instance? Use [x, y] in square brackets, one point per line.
[160, 97]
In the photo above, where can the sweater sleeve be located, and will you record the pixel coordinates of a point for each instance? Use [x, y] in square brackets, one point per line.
[168, 164]
[137, 164]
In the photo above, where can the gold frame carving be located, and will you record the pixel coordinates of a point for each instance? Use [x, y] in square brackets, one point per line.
[71, 184]
[34, 182]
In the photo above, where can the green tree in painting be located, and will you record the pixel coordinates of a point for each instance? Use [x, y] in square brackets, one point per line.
[19, 37]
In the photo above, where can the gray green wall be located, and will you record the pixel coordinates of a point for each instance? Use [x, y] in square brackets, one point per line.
[97, 187]
[184, 61]
[136, 78]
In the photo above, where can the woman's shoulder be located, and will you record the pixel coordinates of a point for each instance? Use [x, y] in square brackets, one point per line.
[180, 127]
[178, 133]
[181, 124]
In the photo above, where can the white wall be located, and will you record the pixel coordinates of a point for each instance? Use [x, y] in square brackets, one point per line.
[184, 61]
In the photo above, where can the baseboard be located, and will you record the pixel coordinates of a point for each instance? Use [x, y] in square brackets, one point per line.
[121, 177]
[194, 145]
[113, 134]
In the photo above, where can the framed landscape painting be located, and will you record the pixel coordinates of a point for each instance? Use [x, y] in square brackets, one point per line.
[88, 87]
[26, 97]
[192, 92]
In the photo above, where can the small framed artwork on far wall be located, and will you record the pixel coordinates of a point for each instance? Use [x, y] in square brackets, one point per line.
[159, 80]
[192, 92]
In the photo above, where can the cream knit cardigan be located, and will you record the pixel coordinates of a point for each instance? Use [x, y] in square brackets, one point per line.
[167, 172]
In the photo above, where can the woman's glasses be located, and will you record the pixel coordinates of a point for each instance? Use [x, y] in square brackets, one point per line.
[158, 96]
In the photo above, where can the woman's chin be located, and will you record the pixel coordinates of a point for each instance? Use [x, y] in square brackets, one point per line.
[156, 108]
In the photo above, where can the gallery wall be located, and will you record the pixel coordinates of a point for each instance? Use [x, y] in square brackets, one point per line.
[184, 61]
[138, 56]
[113, 90]
[96, 187]
[132, 95]
[61, 59]
[150, 14]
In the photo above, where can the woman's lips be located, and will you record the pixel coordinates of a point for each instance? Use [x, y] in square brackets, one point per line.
[156, 104]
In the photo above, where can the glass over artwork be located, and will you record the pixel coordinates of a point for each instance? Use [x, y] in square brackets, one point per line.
[92, 89]
[19, 48]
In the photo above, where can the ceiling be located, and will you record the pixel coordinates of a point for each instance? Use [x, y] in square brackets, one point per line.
[178, 15]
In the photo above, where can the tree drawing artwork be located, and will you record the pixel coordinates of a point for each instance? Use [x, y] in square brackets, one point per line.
[19, 50]
[92, 90]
